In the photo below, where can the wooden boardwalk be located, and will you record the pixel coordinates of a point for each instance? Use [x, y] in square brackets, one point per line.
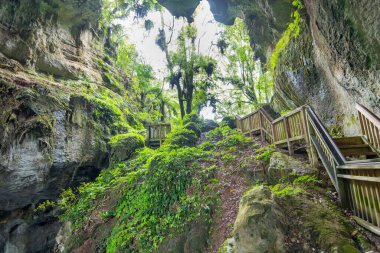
[157, 134]
[352, 163]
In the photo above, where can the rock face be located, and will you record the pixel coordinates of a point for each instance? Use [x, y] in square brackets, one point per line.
[194, 240]
[50, 137]
[54, 37]
[49, 141]
[334, 62]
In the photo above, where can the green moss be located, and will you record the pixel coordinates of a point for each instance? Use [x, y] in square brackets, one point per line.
[181, 137]
[292, 31]
[156, 194]
[285, 190]
[123, 146]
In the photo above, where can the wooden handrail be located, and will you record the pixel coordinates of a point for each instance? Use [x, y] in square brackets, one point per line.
[318, 126]
[368, 114]
[289, 114]
[370, 125]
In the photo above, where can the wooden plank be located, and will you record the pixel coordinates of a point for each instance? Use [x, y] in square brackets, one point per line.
[374, 229]
[360, 165]
[360, 178]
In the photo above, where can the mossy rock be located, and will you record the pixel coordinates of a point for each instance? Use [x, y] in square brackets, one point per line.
[209, 125]
[181, 137]
[124, 145]
[193, 127]
[229, 121]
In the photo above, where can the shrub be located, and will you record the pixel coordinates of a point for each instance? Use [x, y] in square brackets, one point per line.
[124, 145]
[181, 137]
[209, 125]
[229, 121]
[193, 117]
[193, 127]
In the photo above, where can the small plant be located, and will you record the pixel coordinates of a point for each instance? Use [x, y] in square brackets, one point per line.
[305, 179]
[285, 190]
[45, 206]
[265, 153]
[229, 158]
[107, 215]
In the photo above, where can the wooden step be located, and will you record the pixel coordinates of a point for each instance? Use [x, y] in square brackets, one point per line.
[352, 140]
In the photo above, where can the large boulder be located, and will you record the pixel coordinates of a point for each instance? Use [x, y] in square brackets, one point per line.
[298, 220]
[259, 224]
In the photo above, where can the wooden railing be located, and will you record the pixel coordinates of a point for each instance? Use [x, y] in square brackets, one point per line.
[325, 146]
[370, 125]
[158, 132]
[357, 182]
[362, 189]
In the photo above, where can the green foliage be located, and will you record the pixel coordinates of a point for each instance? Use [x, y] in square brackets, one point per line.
[45, 206]
[265, 153]
[229, 121]
[158, 193]
[192, 117]
[181, 137]
[305, 179]
[293, 30]
[193, 127]
[229, 158]
[244, 73]
[224, 137]
[190, 73]
[209, 125]
[155, 200]
[294, 188]
[123, 146]
[285, 190]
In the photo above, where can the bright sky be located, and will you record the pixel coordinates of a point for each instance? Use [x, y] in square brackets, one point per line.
[208, 30]
[144, 41]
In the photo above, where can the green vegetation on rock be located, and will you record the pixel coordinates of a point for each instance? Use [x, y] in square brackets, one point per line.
[155, 195]
[124, 145]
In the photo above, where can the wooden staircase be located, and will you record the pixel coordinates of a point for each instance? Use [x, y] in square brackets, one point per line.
[352, 163]
[356, 148]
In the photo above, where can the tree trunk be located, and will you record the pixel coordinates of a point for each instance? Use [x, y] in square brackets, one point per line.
[162, 109]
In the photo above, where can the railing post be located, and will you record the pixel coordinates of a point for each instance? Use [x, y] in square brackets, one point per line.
[261, 127]
[250, 125]
[313, 152]
[307, 136]
[288, 136]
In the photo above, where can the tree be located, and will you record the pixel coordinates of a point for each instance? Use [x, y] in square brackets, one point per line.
[243, 72]
[189, 72]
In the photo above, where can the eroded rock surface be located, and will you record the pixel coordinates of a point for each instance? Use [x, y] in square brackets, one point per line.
[259, 226]
[334, 63]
